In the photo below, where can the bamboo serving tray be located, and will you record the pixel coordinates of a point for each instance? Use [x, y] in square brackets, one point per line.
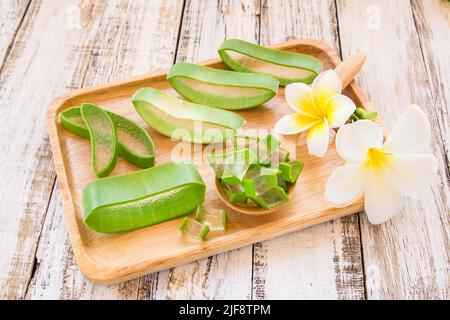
[113, 258]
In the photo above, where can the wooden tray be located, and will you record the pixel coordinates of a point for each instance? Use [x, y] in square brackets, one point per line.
[113, 258]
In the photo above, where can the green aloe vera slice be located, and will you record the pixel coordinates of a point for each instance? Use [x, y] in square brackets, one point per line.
[142, 198]
[221, 88]
[271, 198]
[135, 144]
[236, 193]
[286, 66]
[291, 170]
[103, 135]
[185, 120]
[233, 166]
[216, 219]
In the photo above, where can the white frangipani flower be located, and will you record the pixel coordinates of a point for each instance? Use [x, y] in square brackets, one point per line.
[383, 171]
[318, 108]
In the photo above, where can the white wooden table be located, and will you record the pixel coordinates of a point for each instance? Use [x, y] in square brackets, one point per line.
[48, 47]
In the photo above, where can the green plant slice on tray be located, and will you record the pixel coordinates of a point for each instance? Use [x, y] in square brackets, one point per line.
[142, 198]
[194, 229]
[221, 88]
[185, 120]
[103, 138]
[291, 170]
[135, 144]
[286, 66]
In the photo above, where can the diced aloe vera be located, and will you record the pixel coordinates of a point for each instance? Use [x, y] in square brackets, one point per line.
[264, 147]
[258, 181]
[236, 193]
[291, 170]
[271, 198]
[194, 230]
[234, 165]
[216, 219]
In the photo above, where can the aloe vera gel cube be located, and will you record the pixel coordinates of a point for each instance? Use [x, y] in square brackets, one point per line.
[215, 219]
[236, 193]
[291, 170]
[271, 198]
[194, 230]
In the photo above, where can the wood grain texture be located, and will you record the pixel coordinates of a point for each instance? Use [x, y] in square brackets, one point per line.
[407, 257]
[322, 262]
[228, 275]
[12, 14]
[132, 38]
[31, 76]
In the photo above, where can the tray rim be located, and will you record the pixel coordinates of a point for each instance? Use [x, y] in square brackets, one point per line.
[106, 275]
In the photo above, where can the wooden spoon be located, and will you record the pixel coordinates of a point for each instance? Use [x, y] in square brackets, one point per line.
[347, 71]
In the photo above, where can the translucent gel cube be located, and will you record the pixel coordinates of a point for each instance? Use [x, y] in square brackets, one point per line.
[236, 193]
[215, 219]
[259, 180]
[272, 198]
[236, 165]
[194, 230]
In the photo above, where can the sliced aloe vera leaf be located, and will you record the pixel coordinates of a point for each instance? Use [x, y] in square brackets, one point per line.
[221, 88]
[236, 193]
[291, 170]
[142, 198]
[103, 136]
[135, 144]
[216, 219]
[271, 198]
[286, 66]
[265, 147]
[194, 229]
[185, 120]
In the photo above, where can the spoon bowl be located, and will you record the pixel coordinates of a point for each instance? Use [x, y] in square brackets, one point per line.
[347, 71]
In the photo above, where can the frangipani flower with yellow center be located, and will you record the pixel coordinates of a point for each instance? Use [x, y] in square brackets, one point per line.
[318, 108]
[383, 171]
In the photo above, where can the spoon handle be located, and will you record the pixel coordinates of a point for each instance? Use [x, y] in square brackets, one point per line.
[348, 68]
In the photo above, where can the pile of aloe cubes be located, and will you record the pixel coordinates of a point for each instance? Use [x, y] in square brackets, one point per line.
[257, 172]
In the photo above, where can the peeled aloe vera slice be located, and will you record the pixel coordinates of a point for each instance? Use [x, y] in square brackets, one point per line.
[221, 88]
[103, 135]
[135, 144]
[286, 66]
[236, 193]
[265, 147]
[185, 120]
[271, 198]
[259, 180]
[142, 198]
[291, 170]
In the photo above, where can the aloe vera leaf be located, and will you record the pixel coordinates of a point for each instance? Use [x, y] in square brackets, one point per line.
[135, 144]
[265, 147]
[286, 66]
[142, 198]
[221, 88]
[103, 136]
[258, 181]
[291, 170]
[194, 122]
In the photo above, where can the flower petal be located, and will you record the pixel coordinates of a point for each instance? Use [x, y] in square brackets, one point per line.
[317, 138]
[346, 184]
[324, 86]
[294, 123]
[413, 174]
[338, 109]
[411, 133]
[381, 201]
[299, 97]
[355, 139]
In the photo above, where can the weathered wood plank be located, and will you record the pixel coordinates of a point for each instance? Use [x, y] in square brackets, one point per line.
[12, 14]
[31, 76]
[324, 261]
[205, 25]
[133, 37]
[407, 257]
